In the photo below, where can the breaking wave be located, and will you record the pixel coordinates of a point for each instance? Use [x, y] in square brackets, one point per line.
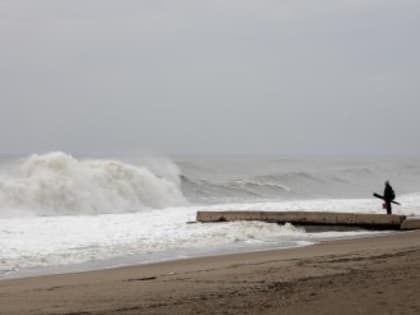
[57, 183]
[247, 180]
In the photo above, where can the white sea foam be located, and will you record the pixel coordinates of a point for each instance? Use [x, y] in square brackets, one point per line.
[97, 210]
[56, 183]
[65, 240]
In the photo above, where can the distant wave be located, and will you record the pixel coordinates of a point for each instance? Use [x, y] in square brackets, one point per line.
[227, 181]
[357, 171]
[57, 183]
[259, 182]
[247, 188]
[207, 190]
[259, 187]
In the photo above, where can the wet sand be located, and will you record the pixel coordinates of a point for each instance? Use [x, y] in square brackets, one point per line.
[379, 275]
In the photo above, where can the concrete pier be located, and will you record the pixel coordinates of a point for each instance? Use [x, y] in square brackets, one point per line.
[362, 220]
[411, 224]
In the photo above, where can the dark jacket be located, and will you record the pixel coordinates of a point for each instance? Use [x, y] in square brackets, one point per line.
[389, 193]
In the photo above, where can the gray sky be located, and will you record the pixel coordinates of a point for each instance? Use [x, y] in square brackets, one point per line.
[231, 77]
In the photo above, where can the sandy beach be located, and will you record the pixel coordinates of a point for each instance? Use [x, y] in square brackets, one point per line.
[378, 275]
[209, 157]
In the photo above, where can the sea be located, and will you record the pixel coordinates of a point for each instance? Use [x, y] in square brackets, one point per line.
[62, 213]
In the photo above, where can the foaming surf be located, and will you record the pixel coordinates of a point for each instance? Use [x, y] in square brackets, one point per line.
[62, 213]
[59, 184]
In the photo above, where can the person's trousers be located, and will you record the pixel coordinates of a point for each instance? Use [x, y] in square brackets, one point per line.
[388, 207]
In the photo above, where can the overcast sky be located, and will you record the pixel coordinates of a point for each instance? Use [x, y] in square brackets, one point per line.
[219, 77]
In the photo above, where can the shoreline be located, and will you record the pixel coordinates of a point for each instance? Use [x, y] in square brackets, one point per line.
[323, 276]
[172, 256]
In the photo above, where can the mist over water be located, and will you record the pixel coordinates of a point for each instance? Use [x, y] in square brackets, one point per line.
[59, 211]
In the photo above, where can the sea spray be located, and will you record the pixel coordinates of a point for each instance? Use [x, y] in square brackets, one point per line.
[57, 183]
[121, 198]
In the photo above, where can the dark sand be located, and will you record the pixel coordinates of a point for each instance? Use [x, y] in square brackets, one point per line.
[378, 275]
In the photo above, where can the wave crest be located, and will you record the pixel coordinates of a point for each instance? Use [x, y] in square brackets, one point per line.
[57, 183]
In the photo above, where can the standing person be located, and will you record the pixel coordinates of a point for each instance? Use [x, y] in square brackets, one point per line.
[389, 196]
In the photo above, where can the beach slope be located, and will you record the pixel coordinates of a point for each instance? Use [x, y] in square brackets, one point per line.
[378, 275]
